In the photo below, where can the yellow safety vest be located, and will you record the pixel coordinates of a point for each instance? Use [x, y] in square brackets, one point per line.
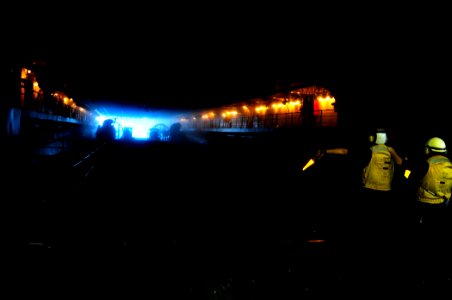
[378, 174]
[436, 185]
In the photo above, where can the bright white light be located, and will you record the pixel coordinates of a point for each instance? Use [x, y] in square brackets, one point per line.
[140, 122]
[140, 126]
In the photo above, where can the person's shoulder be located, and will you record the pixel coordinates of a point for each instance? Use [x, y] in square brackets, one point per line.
[391, 149]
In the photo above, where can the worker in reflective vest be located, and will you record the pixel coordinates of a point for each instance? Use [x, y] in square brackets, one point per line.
[431, 185]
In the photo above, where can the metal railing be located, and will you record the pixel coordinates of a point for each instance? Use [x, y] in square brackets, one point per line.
[320, 118]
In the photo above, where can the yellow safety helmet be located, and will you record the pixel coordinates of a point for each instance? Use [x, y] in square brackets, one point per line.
[435, 145]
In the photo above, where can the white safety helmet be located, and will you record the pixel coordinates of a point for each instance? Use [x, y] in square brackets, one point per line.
[379, 137]
[435, 145]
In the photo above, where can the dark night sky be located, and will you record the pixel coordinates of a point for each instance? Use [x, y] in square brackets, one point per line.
[182, 69]
[190, 56]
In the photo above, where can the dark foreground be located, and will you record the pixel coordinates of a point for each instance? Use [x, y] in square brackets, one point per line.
[230, 219]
